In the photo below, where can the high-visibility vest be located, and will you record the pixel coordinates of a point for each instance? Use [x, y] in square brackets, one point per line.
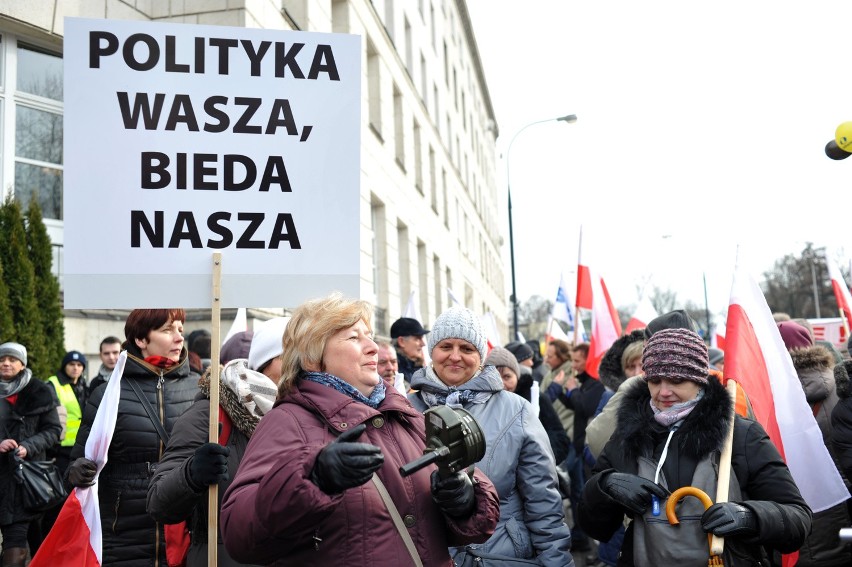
[65, 393]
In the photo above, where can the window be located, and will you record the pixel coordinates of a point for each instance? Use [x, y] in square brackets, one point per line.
[399, 128]
[418, 159]
[32, 103]
[374, 93]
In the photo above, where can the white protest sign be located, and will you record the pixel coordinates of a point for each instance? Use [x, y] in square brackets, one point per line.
[185, 140]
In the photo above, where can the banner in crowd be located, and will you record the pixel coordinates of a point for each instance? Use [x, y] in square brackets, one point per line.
[186, 140]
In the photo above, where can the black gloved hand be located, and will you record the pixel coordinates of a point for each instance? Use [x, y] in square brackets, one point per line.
[454, 495]
[209, 465]
[729, 519]
[631, 491]
[345, 464]
[82, 472]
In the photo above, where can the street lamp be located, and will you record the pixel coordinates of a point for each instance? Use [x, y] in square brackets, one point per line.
[570, 119]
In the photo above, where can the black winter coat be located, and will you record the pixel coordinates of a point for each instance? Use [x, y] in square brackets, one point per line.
[584, 401]
[841, 419]
[171, 497]
[34, 423]
[767, 487]
[130, 537]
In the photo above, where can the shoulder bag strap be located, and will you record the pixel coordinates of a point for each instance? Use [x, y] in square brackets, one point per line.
[149, 410]
[397, 521]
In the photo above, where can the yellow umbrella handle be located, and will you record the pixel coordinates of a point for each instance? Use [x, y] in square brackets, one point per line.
[681, 493]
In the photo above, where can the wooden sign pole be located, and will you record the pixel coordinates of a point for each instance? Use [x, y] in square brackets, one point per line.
[216, 340]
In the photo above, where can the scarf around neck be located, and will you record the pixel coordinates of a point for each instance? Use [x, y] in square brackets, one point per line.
[477, 390]
[348, 389]
[677, 412]
[16, 384]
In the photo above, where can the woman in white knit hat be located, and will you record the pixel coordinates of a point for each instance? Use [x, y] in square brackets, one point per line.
[518, 458]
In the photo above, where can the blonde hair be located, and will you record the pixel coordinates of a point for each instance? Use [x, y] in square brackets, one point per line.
[631, 354]
[309, 329]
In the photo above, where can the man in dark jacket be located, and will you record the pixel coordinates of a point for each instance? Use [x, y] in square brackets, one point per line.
[407, 335]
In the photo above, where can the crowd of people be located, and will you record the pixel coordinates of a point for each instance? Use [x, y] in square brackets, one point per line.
[317, 416]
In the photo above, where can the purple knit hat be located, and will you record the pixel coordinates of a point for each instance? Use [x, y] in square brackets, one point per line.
[676, 354]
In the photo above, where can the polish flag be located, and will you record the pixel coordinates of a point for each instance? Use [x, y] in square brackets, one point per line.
[841, 292]
[756, 357]
[75, 539]
[239, 325]
[644, 314]
[606, 326]
[411, 309]
[489, 325]
[717, 340]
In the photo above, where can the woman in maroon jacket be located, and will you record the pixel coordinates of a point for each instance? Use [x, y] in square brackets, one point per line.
[303, 495]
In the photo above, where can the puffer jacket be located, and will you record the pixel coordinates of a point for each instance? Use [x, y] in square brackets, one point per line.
[273, 514]
[519, 461]
[171, 498]
[764, 480]
[34, 423]
[841, 419]
[814, 366]
[130, 536]
[566, 414]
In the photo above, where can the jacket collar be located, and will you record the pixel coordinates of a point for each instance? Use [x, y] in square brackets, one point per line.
[339, 411]
[702, 432]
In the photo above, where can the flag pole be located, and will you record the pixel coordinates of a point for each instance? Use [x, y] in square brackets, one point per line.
[717, 544]
[213, 494]
[579, 283]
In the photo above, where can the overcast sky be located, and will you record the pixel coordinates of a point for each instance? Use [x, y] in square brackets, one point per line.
[701, 127]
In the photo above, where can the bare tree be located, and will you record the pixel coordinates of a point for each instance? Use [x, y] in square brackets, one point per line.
[800, 285]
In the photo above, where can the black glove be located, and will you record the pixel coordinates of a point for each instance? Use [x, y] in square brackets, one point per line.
[729, 519]
[454, 494]
[345, 464]
[209, 465]
[82, 472]
[631, 491]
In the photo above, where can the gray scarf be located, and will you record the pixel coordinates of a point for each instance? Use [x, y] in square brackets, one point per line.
[477, 390]
[16, 384]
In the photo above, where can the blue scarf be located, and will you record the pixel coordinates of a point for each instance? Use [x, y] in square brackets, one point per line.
[348, 389]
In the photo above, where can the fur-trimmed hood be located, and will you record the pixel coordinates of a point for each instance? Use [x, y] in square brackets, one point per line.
[702, 432]
[814, 357]
[610, 371]
[814, 368]
[841, 379]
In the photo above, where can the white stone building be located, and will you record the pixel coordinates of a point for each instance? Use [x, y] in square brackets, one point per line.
[429, 195]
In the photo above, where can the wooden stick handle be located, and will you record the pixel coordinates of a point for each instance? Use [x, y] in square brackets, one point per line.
[717, 544]
[215, 340]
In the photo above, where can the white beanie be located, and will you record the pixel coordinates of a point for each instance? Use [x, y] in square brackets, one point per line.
[266, 342]
[459, 323]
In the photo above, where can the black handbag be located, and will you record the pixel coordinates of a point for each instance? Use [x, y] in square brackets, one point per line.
[40, 485]
[473, 557]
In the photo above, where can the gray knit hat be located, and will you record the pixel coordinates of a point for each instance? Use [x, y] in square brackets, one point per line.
[500, 356]
[459, 323]
[678, 354]
[16, 350]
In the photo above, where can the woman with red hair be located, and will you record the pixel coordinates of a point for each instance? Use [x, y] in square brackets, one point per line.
[156, 375]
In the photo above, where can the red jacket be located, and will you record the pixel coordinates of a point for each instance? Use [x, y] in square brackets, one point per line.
[273, 514]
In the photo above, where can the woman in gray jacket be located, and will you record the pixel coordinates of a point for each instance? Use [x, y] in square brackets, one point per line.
[518, 457]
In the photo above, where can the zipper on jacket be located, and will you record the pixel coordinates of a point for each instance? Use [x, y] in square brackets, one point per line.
[117, 503]
[161, 406]
[160, 381]
[317, 540]
[156, 544]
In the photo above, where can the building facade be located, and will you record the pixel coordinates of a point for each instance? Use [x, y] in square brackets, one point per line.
[429, 194]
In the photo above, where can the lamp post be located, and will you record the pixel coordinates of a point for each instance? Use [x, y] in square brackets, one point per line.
[570, 119]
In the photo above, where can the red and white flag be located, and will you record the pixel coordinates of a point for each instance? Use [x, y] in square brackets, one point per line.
[717, 340]
[756, 357]
[606, 327]
[841, 292]
[489, 325]
[644, 314]
[412, 311]
[76, 538]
